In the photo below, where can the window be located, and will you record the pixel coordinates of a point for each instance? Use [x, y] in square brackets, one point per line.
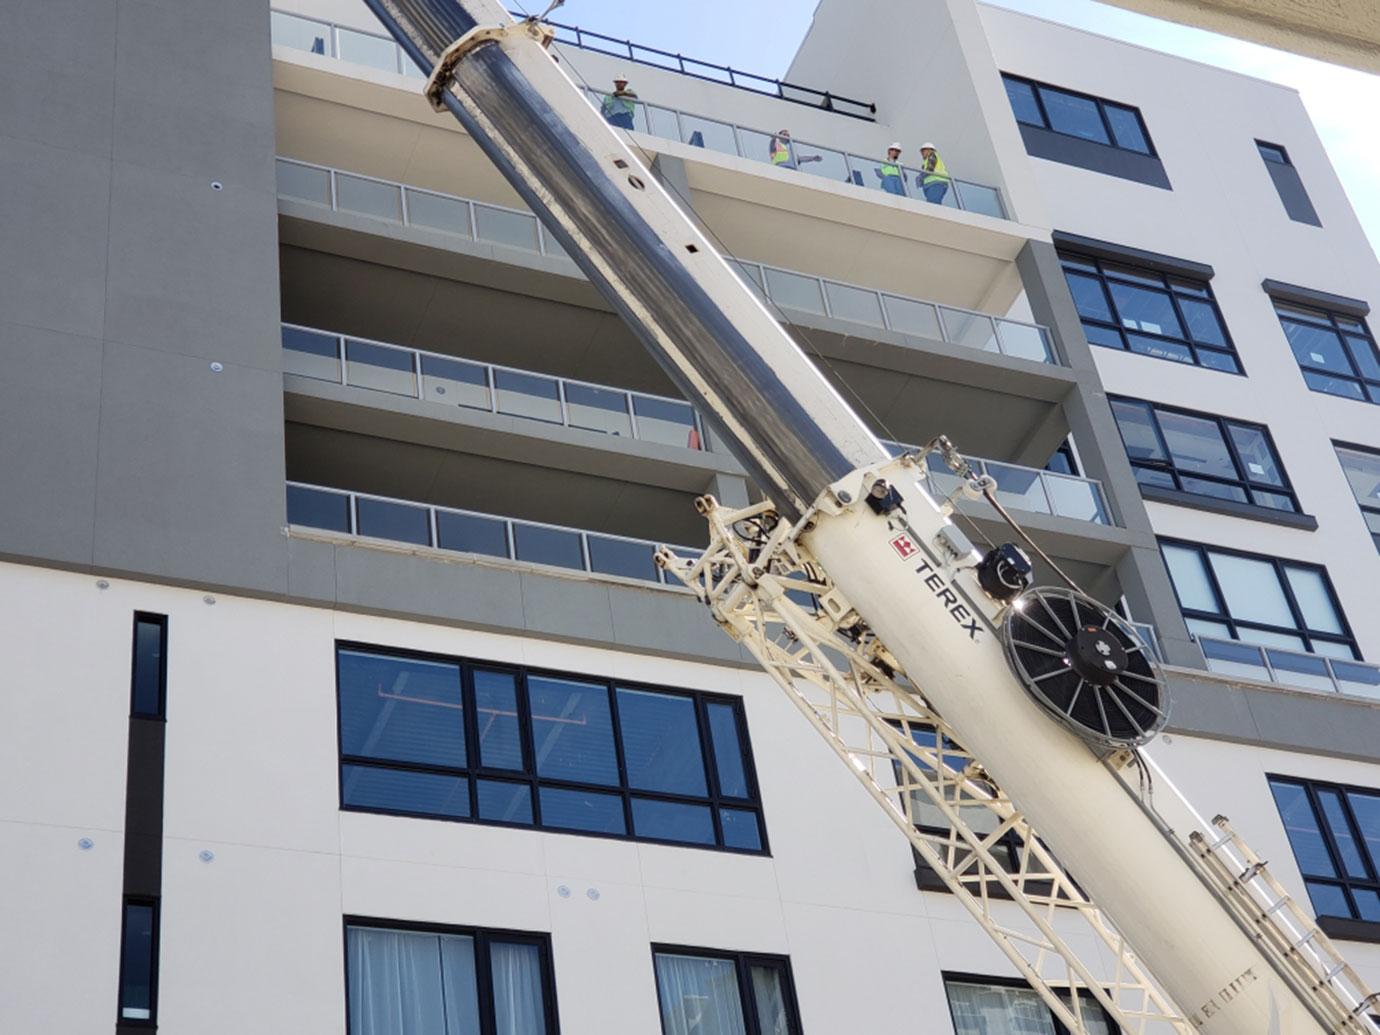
[1336, 352]
[1257, 599]
[1272, 153]
[718, 993]
[139, 962]
[1064, 461]
[984, 1006]
[149, 676]
[402, 980]
[1288, 183]
[1168, 317]
[1362, 467]
[450, 739]
[1077, 115]
[1335, 834]
[1203, 455]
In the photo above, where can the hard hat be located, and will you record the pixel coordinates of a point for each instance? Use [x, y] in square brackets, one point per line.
[927, 146]
[894, 147]
[620, 78]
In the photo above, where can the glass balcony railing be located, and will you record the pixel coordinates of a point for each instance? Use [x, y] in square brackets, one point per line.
[803, 292]
[1292, 668]
[1149, 637]
[1023, 488]
[462, 531]
[813, 159]
[436, 378]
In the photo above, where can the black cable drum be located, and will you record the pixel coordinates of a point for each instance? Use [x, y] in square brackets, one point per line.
[1086, 666]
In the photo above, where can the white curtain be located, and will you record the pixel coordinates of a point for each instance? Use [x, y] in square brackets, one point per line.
[518, 1005]
[699, 996]
[771, 1001]
[996, 1010]
[405, 983]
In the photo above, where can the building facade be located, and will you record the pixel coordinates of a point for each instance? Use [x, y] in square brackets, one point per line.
[343, 693]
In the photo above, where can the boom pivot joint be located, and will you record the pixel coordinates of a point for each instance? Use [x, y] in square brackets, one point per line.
[440, 79]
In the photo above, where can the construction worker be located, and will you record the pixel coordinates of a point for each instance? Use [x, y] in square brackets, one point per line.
[618, 107]
[782, 152]
[933, 178]
[890, 171]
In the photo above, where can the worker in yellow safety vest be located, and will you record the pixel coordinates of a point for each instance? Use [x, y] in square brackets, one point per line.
[933, 178]
[890, 171]
[782, 152]
[618, 107]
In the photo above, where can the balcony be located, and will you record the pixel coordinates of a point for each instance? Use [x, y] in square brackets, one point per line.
[419, 525]
[1294, 669]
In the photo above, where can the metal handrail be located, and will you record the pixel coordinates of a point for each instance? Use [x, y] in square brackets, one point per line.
[1293, 668]
[510, 526]
[952, 324]
[695, 438]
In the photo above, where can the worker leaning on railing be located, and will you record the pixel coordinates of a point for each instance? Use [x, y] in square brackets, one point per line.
[618, 107]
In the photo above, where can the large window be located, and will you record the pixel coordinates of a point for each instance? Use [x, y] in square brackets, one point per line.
[1077, 115]
[984, 1006]
[450, 739]
[1335, 352]
[703, 992]
[1203, 455]
[447, 981]
[1141, 310]
[1257, 599]
[1335, 834]
[1362, 467]
[139, 962]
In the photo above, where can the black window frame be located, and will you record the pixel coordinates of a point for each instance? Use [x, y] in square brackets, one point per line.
[473, 771]
[743, 963]
[151, 1022]
[1262, 145]
[160, 621]
[483, 937]
[966, 978]
[1365, 508]
[1369, 387]
[1243, 480]
[1346, 638]
[1037, 87]
[1369, 883]
[1166, 286]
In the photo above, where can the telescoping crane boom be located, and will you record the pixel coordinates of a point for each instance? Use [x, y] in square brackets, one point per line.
[947, 687]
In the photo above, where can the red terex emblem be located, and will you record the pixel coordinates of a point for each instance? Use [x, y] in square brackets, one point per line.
[903, 546]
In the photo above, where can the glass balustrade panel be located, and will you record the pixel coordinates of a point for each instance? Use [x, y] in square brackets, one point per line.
[874, 174]
[455, 382]
[288, 30]
[398, 522]
[751, 274]
[380, 368]
[360, 48]
[502, 226]
[758, 147]
[1024, 341]
[1075, 498]
[551, 246]
[853, 303]
[662, 122]
[698, 131]
[666, 421]
[975, 197]
[368, 197]
[1357, 679]
[910, 316]
[311, 354]
[1302, 670]
[794, 291]
[1234, 659]
[304, 183]
[624, 557]
[1019, 487]
[936, 191]
[438, 212]
[471, 533]
[822, 161]
[318, 508]
[528, 395]
[974, 330]
[598, 409]
[540, 544]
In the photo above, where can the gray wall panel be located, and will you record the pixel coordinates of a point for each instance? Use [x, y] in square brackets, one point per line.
[389, 582]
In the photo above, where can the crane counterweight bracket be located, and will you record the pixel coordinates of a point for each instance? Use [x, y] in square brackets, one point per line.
[440, 79]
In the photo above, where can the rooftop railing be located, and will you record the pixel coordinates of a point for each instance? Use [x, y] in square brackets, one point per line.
[814, 159]
[1292, 668]
[434, 377]
[463, 531]
[516, 228]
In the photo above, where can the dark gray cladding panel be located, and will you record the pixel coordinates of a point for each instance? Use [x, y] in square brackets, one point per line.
[1170, 264]
[1086, 154]
[1292, 193]
[1357, 307]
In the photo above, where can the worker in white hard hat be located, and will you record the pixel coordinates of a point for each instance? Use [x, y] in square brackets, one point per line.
[933, 179]
[890, 171]
[618, 107]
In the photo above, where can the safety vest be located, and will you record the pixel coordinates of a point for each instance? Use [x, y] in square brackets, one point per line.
[619, 104]
[780, 152]
[938, 174]
[891, 169]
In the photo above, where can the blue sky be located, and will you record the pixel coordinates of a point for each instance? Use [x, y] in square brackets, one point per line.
[762, 35]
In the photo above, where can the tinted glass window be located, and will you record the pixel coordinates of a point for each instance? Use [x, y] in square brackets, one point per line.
[1023, 103]
[1126, 128]
[401, 709]
[572, 731]
[1074, 115]
[661, 742]
[1332, 831]
[139, 962]
[1335, 352]
[147, 690]
[1272, 153]
[1362, 470]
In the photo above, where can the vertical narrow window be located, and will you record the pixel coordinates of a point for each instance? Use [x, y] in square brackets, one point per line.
[1288, 184]
[139, 961]
[724, 993]
[149, 675]
[1362, 468]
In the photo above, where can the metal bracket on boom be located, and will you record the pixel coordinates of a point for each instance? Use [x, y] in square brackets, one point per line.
[439, 80]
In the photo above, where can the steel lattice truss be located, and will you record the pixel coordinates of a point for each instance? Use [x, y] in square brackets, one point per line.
[848, 687]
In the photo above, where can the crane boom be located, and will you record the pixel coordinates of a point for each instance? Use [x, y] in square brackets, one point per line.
[896, 576]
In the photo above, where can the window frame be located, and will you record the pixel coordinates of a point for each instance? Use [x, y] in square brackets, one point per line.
[1311, 787]
[1223, 425]
[1365, 508]
[966, 978]
[482, 936]
[1165, 287]
[1261, 145]
[151, 1021]
[1346, 638]
[473, 771]
[743, 963]
[1369, 387]
[161, 621]
[1037, 88]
